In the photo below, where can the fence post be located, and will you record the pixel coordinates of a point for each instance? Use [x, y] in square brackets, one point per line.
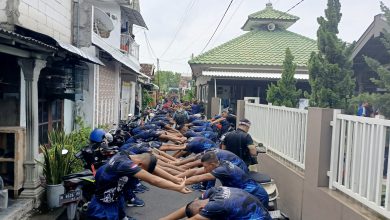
[319, 142]
[240, 111]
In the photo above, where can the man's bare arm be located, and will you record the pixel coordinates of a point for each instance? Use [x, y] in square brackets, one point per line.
[200, 178]
[192, 172]
[160, 182]
[163, 174]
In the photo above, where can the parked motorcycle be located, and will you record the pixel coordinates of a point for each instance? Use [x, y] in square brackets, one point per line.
[79, 189]
[270, 186]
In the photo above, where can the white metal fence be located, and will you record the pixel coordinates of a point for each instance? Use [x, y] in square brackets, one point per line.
[359, 165]
[282, 130]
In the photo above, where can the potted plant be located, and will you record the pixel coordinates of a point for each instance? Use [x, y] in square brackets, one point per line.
[57, 160]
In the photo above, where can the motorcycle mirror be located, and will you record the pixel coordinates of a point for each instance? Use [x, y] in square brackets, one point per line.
[64, 151]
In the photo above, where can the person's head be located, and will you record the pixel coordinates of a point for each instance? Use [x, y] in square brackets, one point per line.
[146, 161]
[209, 161]
[365, 103]
[193, 208]
[98, 135]
[195, 102]
[225, 113]
[182, 128]
[244, 124]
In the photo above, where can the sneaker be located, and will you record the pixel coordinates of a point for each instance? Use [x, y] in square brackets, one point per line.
[138, 190]
[198, 187]
[135, 202]
[143, 187]
[129, 218]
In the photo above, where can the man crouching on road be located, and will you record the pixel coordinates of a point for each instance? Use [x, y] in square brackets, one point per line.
[111, 178]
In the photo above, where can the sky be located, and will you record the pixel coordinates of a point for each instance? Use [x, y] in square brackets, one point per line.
[179, 28]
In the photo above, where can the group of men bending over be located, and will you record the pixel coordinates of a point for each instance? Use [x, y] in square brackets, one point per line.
[201, 155]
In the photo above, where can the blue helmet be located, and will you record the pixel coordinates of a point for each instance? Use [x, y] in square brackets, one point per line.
[97, 135]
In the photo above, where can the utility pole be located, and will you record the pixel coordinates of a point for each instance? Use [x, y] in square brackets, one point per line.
[158, 77]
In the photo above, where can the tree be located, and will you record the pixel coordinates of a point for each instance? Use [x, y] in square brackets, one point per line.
[285, 93]
[167, 79]
[330, 69]
[382, 101]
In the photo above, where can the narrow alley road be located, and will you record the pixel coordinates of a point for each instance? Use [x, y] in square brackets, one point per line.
[159, 203]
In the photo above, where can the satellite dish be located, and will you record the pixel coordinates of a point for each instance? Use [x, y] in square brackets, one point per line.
[271, 27]
[102, 20]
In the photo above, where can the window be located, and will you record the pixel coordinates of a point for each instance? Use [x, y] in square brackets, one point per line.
[50, 118]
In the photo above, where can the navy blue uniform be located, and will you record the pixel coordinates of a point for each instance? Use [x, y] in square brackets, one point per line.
[232, 204]
[192, 118]
[200, 123]
[199, 144]
[147, 135]
[207, 134]
[139, 129]
[201, 128]
[231, 175]
[111, 179]
[229, 156]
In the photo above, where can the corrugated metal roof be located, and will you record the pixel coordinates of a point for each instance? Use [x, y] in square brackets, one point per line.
[257, 75]
[79, 52]
[28, 39]
[118, 55]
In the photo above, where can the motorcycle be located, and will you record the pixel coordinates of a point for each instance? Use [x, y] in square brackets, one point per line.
[79, 189]
[270, 186]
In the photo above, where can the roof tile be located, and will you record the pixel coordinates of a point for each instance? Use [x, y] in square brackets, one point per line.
[260, 47]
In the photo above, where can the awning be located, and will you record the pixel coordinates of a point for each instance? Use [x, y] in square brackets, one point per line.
[79, 52]
[255, 75]
[143, 75]
[133, 16]
[9, 46]
[125, 59]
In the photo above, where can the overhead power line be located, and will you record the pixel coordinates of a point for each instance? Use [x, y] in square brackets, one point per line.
[149, 46]
[291, 8]
[219, 24]
[180, 25]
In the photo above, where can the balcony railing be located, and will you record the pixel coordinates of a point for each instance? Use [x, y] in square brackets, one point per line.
[129, 46]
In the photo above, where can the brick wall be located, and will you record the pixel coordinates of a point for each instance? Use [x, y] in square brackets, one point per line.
[107, 106]
[50, 17]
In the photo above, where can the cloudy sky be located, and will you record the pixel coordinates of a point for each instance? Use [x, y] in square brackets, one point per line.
[179, 28]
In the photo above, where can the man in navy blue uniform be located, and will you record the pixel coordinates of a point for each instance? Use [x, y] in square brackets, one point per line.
[223, 203]
[195, 161]
[229, 174]
[114, 176]
[196, 145]
[207, 134]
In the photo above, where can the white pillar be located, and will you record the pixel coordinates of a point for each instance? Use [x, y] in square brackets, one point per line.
[31, 69]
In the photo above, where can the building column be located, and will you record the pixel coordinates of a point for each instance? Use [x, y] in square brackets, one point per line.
[31, 69]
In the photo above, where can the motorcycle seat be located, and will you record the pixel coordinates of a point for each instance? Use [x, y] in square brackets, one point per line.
[110, 148]
[79, 174]
[259, 177]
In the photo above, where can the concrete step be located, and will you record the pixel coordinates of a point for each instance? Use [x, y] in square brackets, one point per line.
[17, 209]
[50, 215]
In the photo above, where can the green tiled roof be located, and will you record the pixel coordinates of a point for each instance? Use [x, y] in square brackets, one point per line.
[271, 14]
[260, 47]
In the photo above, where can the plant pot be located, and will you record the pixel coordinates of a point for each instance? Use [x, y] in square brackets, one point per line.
[53, 193]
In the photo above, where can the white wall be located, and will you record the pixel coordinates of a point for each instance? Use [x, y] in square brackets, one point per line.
[3, 14]
[112, 8]
[49, 17]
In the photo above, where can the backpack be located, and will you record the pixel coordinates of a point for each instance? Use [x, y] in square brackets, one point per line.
[181, 117]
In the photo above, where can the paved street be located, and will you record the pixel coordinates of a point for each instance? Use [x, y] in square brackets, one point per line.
[159, 203]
